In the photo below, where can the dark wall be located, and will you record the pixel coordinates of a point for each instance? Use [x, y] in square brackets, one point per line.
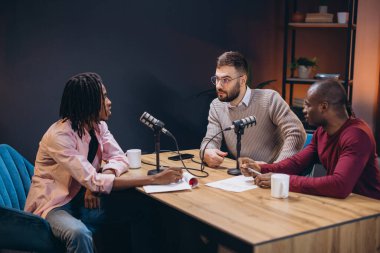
[153, 56]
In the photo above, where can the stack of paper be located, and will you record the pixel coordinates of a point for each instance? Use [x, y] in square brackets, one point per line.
[319, 17]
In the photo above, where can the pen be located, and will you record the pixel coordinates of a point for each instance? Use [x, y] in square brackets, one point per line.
[254, 171]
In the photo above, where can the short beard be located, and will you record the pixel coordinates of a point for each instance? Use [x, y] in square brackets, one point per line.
[233, 94]
[319, 123]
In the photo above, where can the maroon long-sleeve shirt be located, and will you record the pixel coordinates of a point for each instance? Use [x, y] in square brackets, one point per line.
[349, 156]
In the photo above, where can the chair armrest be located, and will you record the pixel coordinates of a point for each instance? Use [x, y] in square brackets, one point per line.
[20, 230]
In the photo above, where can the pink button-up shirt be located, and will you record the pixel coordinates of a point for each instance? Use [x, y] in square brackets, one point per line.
[62, 167]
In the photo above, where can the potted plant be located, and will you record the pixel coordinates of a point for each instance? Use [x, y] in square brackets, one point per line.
[304, 66]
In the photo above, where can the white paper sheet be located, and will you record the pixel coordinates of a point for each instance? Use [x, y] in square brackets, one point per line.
[234, 184]
[184, 184]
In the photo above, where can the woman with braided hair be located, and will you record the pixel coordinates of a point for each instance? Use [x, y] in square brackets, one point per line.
[69, 181]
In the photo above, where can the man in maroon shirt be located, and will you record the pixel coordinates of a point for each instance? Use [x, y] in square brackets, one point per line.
[343, 144]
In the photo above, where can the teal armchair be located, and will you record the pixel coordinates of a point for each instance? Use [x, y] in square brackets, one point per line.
[20, 230]
[309, 172]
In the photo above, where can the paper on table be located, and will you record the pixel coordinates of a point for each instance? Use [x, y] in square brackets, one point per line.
[188, 181]
[234, 184]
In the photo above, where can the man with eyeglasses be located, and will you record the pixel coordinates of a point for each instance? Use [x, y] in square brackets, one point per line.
[278, 134]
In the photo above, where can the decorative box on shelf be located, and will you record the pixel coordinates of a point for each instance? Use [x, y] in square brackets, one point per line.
[326, 76]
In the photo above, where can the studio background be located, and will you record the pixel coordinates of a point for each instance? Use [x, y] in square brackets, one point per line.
[153, 56]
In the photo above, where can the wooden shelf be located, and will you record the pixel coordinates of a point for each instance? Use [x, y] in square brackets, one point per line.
[289, 82]
[295, 80]
[319, 25]
[301, 80]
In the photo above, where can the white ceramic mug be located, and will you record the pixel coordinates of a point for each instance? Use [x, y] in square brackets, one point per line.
[342, 17]
[134, 158]
[280, 185]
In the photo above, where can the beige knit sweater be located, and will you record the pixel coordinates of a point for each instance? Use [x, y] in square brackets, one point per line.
[278, 134]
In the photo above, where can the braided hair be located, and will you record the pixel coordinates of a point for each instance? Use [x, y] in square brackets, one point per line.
[81, 101]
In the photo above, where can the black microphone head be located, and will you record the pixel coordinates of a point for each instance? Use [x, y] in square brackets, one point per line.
[249, 121]
[254, 122]
[151, 121]
[245, 122]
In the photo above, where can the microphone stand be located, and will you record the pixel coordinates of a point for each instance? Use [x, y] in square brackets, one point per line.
[239, 130]
[157, 132]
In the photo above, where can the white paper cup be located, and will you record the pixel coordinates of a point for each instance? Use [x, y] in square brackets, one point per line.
[280, 186]
[134, 158]
[342, 17]
[190, 179]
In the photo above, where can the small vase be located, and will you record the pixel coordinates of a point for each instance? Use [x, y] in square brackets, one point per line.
[304, 72]
[323, 9]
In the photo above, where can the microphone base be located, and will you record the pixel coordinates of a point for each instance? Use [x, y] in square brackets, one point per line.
[154, 172]
[234, 172]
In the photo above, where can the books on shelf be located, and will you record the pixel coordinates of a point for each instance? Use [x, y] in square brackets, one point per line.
[319, 17]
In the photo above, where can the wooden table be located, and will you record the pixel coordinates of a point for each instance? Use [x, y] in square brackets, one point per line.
[301, 223]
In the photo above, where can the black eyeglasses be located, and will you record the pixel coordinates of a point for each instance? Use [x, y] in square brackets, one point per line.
[223, 81]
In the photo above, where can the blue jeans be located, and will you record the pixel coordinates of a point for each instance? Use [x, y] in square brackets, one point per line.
[75, 225]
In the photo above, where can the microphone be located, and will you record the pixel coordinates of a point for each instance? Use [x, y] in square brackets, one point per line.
[241, 123]
[154, 123]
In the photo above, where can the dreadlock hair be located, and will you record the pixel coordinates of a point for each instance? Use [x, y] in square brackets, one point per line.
[81, 101]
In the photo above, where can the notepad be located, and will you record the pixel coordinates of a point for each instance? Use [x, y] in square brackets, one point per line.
[187, 182]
